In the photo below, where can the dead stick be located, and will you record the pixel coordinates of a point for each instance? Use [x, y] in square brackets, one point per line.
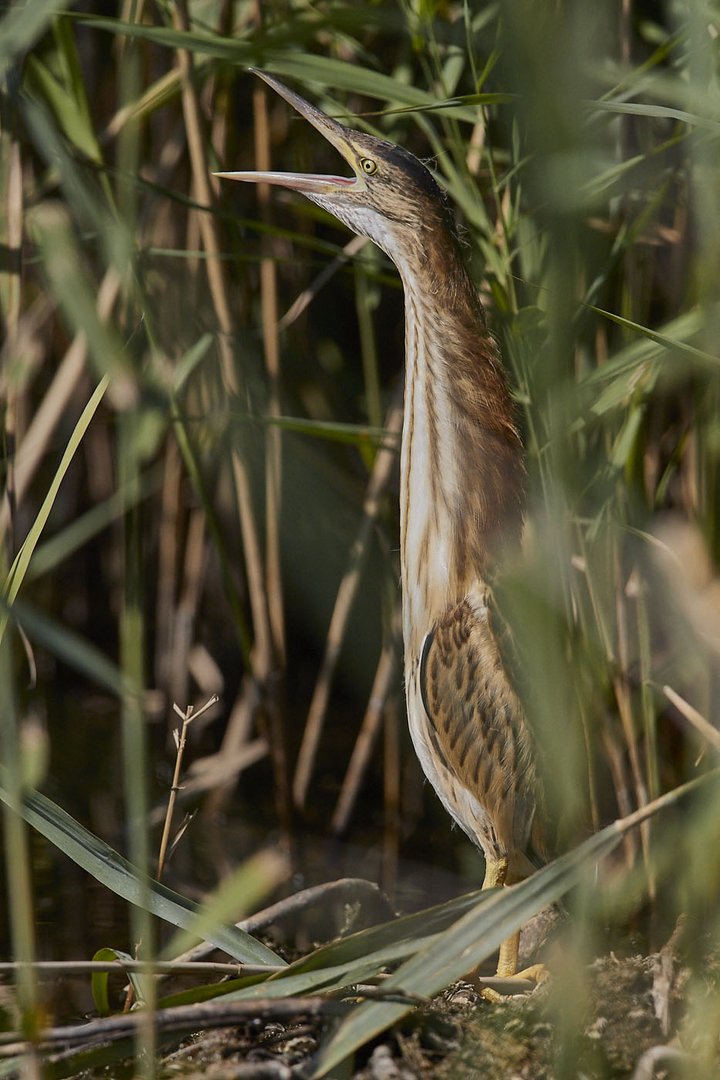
[180, 1018]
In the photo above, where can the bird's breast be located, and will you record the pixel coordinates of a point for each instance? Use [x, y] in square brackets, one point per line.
[429, 486]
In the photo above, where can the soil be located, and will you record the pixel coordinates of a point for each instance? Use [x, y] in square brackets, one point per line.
[633, 1015]
[631, 1025]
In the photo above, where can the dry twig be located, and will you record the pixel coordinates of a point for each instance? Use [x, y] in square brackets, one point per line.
[187, 717]
[214, 1014]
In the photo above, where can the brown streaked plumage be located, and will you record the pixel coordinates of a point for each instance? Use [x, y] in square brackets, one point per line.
[461, 498]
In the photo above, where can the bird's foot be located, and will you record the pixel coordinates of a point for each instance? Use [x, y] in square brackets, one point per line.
[498, 987]
[536, 973]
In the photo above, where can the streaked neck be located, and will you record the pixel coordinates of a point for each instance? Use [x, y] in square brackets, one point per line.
[461, 459]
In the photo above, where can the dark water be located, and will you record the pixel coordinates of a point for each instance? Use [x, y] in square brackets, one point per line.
[75, 915]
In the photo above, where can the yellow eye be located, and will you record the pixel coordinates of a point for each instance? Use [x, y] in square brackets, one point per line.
[368, 166]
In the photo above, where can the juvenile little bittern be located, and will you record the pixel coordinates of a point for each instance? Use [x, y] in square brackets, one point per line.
[461, 498]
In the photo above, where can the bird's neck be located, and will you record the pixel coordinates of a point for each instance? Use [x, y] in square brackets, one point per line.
[461, 460]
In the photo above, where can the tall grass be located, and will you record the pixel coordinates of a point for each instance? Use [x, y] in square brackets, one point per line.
[191, 493]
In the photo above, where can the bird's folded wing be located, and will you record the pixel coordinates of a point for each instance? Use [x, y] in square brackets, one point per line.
[477, 721]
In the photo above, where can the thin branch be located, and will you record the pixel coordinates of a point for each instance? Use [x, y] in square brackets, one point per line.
[187, 717]
[214, 1014]
[343, 891]
[148, 967]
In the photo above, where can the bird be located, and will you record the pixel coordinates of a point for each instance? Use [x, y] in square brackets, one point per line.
[462, 501]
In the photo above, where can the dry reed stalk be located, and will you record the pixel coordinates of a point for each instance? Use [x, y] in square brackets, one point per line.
[625, 710]
[705, 729]
[10, 299]
[385, 462]
[167, 563]
[184, 619]
[223, 769]
[476, 146]
[262, 658]
[391, 797]
[343, 893]
[272, 703]
[55, 400]
[149, 967]
[385, 676]
[188, 1018]
[235, 737]
[17, 852]
[271, 347]
[616, 764]
[306, 297]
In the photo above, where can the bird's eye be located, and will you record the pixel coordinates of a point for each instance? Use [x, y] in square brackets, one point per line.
[368, 166]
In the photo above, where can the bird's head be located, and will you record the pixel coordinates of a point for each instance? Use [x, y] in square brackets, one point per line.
[391, 197]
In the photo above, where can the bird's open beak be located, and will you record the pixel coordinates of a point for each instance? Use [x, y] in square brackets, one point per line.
[307, 182]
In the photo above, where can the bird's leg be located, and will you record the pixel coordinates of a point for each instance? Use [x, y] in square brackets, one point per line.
[496, 877]
[496, 872]
[507, 965]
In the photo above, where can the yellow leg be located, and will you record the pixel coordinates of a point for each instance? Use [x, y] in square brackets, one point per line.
[507, 964]
[496, 873]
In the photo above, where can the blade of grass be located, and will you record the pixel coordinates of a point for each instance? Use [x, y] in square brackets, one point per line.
[116, 873]
[674, 344]
[238, 893]
[327, 71]
[50, 225]
[68, 646]
[665, 112]
[22, 26]
[17, 852]
[359, 956]
[334, 431]
[57, 398]
[21, 561]
[477, 934]
[53, 552]
[99, 981]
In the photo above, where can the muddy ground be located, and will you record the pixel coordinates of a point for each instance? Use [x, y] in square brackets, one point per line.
[460, 1036]
[630, 1019]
